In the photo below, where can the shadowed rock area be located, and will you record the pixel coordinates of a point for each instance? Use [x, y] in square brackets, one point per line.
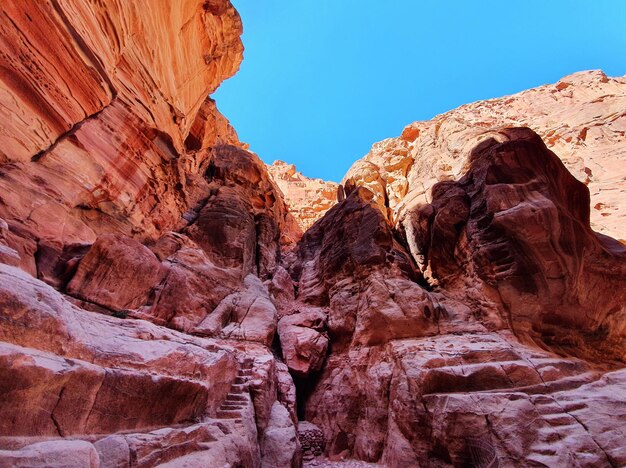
[167, 299]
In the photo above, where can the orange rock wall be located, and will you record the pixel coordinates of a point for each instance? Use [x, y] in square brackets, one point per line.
[106, 119]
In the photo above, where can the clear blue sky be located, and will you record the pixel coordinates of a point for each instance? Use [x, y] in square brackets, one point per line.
[322, 80]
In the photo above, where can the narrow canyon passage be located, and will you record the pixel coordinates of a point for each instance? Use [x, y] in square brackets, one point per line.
[168, 299]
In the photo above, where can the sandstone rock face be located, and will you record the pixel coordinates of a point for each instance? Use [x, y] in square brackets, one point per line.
[166, 299]
[210, 266]
[281, 446]
[106, 121]
[450, 334]
[76, 453]
[581, 118]
[351, 263]
[518, 222]
[308, 199]
[303, 341]
[126, 190]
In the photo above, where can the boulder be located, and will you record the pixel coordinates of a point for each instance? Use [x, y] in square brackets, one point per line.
[280, 446]
[303, 341]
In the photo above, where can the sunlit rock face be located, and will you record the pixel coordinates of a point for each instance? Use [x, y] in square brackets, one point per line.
[123, 187]
[307, 199]
[581, 118]
[106, 121]
[167, 299]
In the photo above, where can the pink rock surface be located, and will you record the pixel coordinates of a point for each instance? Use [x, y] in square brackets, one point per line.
[167, 299]
[581, 118]
[307, 199]
[444, 333]
[107, 124]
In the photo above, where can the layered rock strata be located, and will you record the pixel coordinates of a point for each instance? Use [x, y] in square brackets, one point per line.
[307, 199]
[168, 300]
[106, 119]
[125, 190]
[449, 335]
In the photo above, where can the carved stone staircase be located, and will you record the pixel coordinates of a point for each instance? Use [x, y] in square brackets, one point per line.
[237, 398]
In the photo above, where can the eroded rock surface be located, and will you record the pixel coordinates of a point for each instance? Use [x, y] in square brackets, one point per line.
[166, 299]
[308, 199]
[581, 118]
[106, 119]
[125, 189]
[449, 335]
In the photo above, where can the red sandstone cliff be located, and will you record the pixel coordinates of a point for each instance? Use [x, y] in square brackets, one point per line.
[166, 299]
[124, 188]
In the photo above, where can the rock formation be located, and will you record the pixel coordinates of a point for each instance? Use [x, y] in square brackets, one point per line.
[581, 118]
[508, 329]
[106, 119]
[166, 299]
[125, 189]
[307, 199]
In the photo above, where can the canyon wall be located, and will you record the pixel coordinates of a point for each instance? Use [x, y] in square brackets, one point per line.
[307, 199]
[581, 118]
[106, 119]
[137, 237]
[166, 299]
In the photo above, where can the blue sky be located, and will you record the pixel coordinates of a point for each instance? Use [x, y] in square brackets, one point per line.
[322, 80]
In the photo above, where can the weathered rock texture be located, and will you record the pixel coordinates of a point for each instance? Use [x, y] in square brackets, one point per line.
[490, 360]
[168, 300]
[124, 189]
[106, 119]
[307, 199]
[581, 118]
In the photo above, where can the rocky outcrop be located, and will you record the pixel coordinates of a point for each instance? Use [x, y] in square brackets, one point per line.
[67, 367]
[128, 192]
[518, 222]
[466, 399]
[213, 266]
[303, 340]
[166, 299]
[581, 118]
[161, 394]
[478, 314]
[307, 199]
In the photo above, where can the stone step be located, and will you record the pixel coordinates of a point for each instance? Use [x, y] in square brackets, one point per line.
[560, 420]
[573, 407]
[237, 397]
[245, 372]
[542, 460]
[549, 410]
[544, 449]
[240, 380]
[238, 388]
[231, 406]
[228, 414]
[552, 437]
[223, 427]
